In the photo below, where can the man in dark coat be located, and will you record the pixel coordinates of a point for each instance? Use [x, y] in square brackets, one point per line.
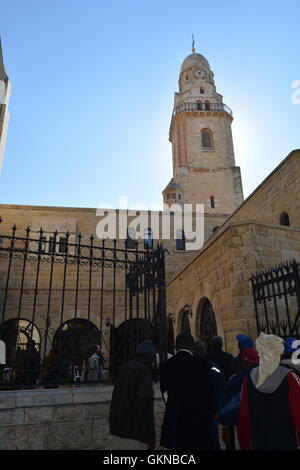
[132, 424]
[218, 356]
[31, 363]
[189, 408]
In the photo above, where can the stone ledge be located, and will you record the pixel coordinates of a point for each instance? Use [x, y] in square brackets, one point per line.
[41, 397]
[72, 396]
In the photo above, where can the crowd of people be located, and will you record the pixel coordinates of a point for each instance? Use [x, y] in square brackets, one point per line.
[213, 400]
[31, 370]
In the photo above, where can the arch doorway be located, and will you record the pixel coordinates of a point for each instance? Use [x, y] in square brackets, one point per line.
[125, 339]
[184, 322]
[16, 334]
[206, 325]
[72, 340]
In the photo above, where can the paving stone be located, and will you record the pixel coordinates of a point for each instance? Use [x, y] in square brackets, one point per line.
[11, 417]
[97, 410]
[68, 436]
[100, 433]
[42, 414]
[69, 413]
[25, 437]
[7, 401]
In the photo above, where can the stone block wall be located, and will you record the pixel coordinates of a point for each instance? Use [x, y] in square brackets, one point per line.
[278, 193]
[61, 419]
[221, 273]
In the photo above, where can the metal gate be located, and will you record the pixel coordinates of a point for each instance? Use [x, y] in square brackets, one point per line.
[63, 292]
[276, 295]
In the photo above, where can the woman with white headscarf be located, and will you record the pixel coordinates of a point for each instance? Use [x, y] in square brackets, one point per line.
[270, 401]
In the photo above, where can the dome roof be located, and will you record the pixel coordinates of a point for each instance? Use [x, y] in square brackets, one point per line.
[192, 60]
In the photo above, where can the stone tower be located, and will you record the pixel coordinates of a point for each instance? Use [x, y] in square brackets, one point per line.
[4, 99]
[204, 170]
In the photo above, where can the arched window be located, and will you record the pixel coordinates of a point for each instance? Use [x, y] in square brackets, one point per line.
[285, 219]
[180, 240]
[17, 333]
[130, 240]
[199, 105]
[212, 202]
[186, 77]
[206, 325]
[206, 138]
[202, 90]
[148, 240]
[207, 105]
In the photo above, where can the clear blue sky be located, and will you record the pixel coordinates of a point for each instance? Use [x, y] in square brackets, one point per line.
[93, 84]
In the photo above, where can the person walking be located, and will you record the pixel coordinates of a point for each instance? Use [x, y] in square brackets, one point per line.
[189, 407]
[31, 364]
[218, 382]
[131, 419]
[53, 369]
[218, 356]
[229, 415]
[269, 410]
[237, 363]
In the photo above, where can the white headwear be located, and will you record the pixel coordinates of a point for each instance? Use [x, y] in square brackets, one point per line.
[270, 349]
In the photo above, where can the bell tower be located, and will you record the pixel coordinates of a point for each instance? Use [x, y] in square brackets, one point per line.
[4, 100]
[204, 170]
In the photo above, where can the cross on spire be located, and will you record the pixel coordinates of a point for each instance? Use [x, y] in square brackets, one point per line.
[193, 44]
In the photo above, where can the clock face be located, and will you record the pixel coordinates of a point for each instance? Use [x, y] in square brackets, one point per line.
[199, 73]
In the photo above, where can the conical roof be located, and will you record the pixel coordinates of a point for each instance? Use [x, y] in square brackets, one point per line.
[171, 186]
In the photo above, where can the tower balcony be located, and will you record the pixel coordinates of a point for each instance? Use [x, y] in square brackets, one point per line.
[192, 106]
[206, 107]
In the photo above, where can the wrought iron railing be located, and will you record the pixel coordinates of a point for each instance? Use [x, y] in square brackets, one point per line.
[61, 293]
[276, 295]
[194, 106]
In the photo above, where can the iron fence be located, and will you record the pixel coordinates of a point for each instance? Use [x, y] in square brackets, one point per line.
[60, 293]
[276, 295]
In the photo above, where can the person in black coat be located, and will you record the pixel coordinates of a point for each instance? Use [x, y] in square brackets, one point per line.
[189, 407]
[220, 357]
[31, 364]
[132, 425]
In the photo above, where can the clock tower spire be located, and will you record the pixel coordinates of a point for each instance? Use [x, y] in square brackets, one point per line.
[204, 170]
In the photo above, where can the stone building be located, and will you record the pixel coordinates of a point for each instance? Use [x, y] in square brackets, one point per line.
[207, 290]
[4, 100]
[262, 232]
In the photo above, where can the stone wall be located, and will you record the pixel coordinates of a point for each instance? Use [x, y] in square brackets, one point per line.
[61, 419]
[278, 193]
[221, 273]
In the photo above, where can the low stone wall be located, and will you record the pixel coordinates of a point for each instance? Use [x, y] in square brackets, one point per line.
[60, 419]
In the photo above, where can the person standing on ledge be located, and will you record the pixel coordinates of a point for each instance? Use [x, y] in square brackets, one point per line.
[131, 419]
